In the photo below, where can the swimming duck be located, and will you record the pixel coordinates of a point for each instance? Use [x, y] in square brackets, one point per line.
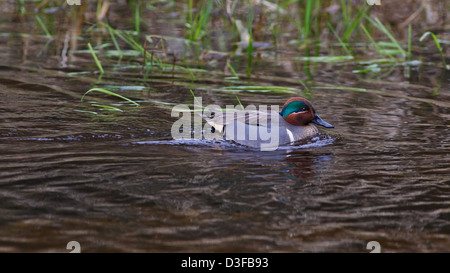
[268, 130]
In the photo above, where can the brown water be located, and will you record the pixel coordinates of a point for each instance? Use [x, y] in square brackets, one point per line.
[117, 181]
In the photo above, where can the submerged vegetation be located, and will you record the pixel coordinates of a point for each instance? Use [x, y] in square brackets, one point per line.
[230, 39]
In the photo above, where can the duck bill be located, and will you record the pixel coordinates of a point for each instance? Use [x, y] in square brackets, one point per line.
[317, 120]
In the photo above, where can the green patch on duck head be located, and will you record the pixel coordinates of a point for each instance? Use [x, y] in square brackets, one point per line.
[294, 107]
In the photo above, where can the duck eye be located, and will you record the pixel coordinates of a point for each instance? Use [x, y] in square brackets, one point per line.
[303, 109]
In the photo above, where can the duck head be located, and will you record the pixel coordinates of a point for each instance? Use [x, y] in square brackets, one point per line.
[299, 112]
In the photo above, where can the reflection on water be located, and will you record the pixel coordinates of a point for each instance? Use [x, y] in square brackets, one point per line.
[118, 182]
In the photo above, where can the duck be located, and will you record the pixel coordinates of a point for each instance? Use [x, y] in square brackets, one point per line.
[264, 129]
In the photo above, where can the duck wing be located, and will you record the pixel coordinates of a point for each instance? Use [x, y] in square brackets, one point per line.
[218, 118]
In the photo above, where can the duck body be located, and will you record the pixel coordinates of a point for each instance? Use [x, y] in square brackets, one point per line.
[267, 130]
[280, 132]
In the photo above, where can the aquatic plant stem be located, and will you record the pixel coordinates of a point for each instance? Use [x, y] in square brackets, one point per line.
[438, 45]
[97, 62]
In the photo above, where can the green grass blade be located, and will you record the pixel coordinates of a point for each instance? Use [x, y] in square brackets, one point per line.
[344, 11]
[200, 21]
[190, 6]
[131, 42]
[113, 38]
[348, 32]
[326, 59]
[232, 70]
[377, 23]
[409, 43]
[84, 111]
[42, 25]
[137, 18]
[127, 39]
[438, 45]
[250, 42]
[377, 47]
[102, 90]
[342, 43]
[307, 22]
[107, 107]
[259, 89]
[239, 101]
[195, 98]
[97, 62]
